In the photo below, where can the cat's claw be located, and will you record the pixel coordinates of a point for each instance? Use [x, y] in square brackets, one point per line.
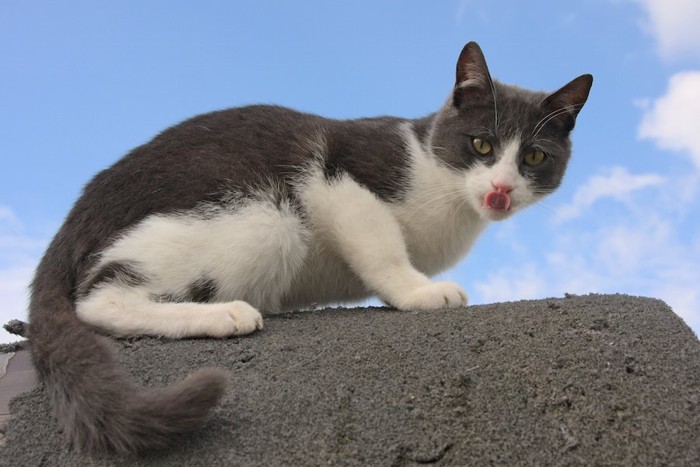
[434, 296]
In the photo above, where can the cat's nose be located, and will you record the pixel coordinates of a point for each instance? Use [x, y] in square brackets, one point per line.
[502, 187]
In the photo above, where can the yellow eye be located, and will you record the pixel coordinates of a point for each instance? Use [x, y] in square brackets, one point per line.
[482, 146]
[534, 157]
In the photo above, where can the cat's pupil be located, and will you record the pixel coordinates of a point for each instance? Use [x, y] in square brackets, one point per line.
[482, 146]
[534, 157]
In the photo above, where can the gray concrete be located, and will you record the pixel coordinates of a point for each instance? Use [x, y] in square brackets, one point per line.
[604, 380]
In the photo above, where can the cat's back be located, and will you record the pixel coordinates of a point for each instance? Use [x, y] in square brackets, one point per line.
[246, 149]
[256, 136]
[193, 161]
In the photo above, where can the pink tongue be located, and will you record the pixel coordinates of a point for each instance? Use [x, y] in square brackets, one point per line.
[497, 200]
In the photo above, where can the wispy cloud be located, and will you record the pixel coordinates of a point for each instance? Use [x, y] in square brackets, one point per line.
[8, 218]
[615, 183]
[14, 282]
[462, 9]
[633, 254]
[674, 25]
[19, 254]
[672, 120]
[506, 285]
[467, 10]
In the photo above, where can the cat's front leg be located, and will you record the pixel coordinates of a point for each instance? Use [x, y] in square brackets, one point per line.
[363, 231]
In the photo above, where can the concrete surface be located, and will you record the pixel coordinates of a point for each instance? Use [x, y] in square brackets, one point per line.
[590, 380]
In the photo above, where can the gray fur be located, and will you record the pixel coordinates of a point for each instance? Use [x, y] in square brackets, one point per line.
[206, 162]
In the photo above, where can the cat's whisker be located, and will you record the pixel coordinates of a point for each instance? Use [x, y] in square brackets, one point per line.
[455, 214]
[487, 131]
[495, 103]
[556, 213]
[434, 196]
[444, 197]
[438, 150]
[551, 143]
[547, 118]
[564, 110]
[554, 114]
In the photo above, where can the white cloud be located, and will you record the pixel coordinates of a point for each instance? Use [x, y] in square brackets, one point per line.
[14, 284]
[523, 283]
[633, 255]
[8, 217]
[19, 254]
[673, 120]
[462, 10]
[674, 24]
[615, 183]
[684, 300]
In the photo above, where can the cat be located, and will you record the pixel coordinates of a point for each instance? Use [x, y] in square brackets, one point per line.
[264, 208]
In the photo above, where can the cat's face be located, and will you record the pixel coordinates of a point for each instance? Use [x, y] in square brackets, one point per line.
[511, 145]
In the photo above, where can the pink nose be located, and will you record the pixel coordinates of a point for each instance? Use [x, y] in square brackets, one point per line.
[502, 187]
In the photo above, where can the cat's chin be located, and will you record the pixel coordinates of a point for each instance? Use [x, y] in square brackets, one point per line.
[495, 214]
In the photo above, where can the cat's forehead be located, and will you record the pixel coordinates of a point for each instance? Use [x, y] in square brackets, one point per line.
[508, 112]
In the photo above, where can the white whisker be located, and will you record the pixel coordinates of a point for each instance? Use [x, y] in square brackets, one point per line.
[554, 212]
[552, 115]
[443, 195]
[495, 104]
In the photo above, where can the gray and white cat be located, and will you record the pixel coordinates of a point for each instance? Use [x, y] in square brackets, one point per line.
[263, 209]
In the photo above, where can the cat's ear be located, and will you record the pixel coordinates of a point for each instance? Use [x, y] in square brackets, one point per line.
[564, 105]
[472, 74]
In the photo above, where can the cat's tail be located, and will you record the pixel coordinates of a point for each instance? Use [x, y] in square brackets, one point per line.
[96, 404]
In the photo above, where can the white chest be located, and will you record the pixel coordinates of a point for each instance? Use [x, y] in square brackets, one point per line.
[438, 230]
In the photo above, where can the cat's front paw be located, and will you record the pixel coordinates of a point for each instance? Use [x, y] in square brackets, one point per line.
[434, 296]
[237, 319]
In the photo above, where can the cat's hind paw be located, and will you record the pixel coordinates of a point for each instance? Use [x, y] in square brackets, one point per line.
[434, 296]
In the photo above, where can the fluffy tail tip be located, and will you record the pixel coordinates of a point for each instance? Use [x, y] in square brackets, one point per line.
[153, 419]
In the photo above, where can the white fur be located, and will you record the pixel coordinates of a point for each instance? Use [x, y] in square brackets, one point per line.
[253, 252]
[439, 224]
[481, 179]
[129, 311]
[263, 256]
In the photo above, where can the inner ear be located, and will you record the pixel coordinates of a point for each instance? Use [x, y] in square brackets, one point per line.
[564, 105]
[473, 75]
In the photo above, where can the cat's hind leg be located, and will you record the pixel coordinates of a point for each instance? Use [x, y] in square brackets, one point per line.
[124, 310]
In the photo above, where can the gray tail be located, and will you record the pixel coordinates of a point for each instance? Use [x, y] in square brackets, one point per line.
[96, 404]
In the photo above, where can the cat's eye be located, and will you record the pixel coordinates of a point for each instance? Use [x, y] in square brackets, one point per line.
[481, 146]
[534, 157]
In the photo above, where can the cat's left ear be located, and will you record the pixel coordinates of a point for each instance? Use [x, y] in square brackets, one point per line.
[473, 78]
[564, 105]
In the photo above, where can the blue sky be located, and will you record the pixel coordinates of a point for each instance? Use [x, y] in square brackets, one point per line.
[82, 82]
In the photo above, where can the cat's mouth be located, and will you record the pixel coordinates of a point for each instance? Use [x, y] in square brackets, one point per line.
[497, 200]
[496, 205]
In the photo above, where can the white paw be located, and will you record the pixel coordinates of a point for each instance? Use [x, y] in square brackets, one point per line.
[237, 318]
[434, 296]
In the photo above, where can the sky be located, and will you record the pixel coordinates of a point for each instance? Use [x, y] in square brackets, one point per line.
[82, 83]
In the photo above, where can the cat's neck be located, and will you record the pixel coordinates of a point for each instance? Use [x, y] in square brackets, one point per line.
[438, 224]
[422, 128]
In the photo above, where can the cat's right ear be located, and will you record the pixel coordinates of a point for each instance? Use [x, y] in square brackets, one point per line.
[472, 74]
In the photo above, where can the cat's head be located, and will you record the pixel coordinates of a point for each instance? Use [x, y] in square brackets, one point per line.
[511, 144]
